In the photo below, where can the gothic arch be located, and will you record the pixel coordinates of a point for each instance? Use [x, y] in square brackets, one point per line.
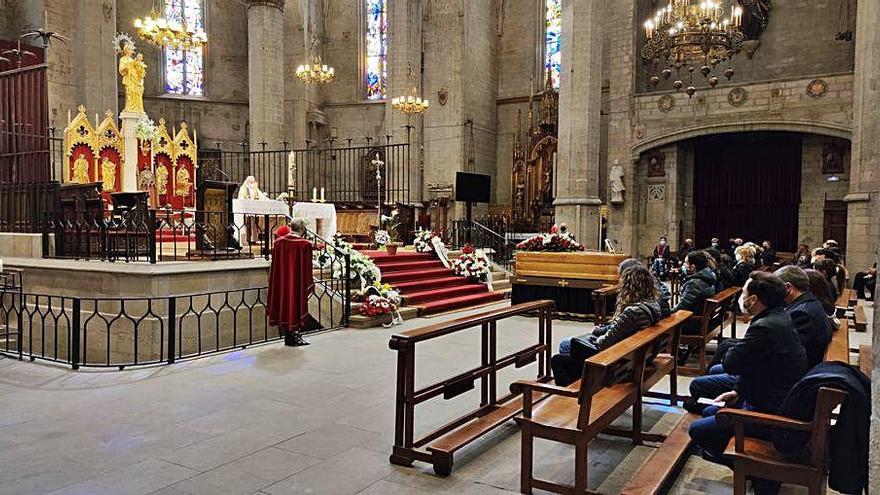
[809, 127]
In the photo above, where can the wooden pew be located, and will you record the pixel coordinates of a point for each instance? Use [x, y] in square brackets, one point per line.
[613, 381]
[711, 322]
[657, 471]
[604, 299]
[838, 348]
[860, 318]
[866, 360]
[759, 458]
[846, 301]
[438, 446]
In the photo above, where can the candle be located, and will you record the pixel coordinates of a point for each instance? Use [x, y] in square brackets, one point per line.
[322, 194]
[314, 194]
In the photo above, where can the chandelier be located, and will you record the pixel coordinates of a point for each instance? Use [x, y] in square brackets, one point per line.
[695, 36]
[161, 32]
[412, 103]
[316, 72]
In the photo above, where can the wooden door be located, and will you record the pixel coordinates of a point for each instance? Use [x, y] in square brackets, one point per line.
[835, 223]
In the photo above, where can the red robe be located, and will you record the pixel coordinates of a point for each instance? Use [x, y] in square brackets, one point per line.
[290, 283]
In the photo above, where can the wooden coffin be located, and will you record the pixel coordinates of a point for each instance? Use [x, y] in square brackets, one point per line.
[569, 266]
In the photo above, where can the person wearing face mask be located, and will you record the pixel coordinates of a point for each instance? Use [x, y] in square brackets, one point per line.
[745, 264]
[806, 312]
[767, 362]
[698, 284]
[661, 257]
[768, 254]
[685, 249]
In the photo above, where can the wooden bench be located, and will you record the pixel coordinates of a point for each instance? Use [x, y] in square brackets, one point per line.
[613, 381]
[838, 348]
[711, 322]
[438, 446]
[759, 458]
[656, 473]
[846, 301]
[604, 299]
[866, 359]
[860, 318]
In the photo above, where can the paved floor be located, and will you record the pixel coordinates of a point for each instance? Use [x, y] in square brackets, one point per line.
[277, 420]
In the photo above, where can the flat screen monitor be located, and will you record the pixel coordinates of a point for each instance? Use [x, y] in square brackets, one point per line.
[475, 188]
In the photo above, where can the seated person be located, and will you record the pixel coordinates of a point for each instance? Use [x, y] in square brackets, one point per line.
[637, 308]
[745, 264]
[665, 296]
[806, 312]
[822, 291]
[866, 280]
[832, 272]
[768, 254]
[820, 254]
[834, 247]
[803, 258]
[685, 248]
[698, 284]
[768, 361]
[661, 256]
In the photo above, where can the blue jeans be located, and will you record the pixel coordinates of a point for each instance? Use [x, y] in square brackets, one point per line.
[659, 266]
[565, 346]
[714, 384]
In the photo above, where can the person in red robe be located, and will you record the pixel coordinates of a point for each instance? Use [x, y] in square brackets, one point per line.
[290, 282]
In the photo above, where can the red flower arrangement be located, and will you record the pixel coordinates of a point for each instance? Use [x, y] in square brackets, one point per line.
[377, 305]
[559, 240]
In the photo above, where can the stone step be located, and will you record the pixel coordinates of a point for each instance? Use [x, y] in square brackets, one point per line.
[362, 322]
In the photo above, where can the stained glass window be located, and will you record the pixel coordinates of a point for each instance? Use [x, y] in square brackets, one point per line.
[184, 69]
[375, 50]
[553, 39]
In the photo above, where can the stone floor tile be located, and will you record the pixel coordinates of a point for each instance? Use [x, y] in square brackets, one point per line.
[345, 474]
[327, 442]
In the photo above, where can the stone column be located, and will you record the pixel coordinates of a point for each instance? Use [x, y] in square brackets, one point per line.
[95, 57]
[862, 216]
[580, 91]
[405, 48]
[266, 73]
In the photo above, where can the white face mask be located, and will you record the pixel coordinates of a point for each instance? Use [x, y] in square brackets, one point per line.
[739, 257]
[742, 304]
[662, 243]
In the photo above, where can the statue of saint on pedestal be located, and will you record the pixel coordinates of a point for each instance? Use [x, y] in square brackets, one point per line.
[182, 183]
[80, 170]
[108, 175]
[133, 70]
[161, 180]
[615, 178]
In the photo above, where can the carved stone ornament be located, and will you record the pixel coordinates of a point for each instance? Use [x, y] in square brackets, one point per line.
[737, 96]
[666, 103]
[817, 88]
[442, 96]
[657, 192]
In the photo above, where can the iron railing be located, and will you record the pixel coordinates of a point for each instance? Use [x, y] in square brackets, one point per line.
[347, 174]
[22, 205]
[480, 236]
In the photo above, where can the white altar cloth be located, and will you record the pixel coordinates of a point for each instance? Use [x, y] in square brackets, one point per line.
[242, 207]
[320, 217]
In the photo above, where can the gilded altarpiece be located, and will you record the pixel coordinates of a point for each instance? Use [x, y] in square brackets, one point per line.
[94, 153]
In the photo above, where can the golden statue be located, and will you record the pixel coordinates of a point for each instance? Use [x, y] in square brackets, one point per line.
[161, 180]
[133, 70]
[182, 183]
[108, 175]
[81, 170]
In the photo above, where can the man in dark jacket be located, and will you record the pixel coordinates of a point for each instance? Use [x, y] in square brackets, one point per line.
[698, 285]
[661, 257]
[685, 250]
[768, 361]
[810, 321]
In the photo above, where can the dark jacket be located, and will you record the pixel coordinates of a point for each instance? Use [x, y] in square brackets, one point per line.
[812, 326]
[695, 290]
[630, 320]
[661, 251]
[769, 360]
[848, 438]
[683, 251]
[740, 273]
[768, 257]
[665, 297]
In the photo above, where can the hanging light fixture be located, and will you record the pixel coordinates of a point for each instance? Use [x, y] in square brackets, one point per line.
[688, 33]
[410, 104]
[164, 33]
[315, 72]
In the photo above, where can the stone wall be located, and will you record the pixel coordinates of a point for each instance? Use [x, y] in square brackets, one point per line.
[815, 188]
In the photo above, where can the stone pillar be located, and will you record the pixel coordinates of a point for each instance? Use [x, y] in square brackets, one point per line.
[405, 48]
[94, 55]
[129, 159]
[266, 73]
[862, 216]
[580, 92]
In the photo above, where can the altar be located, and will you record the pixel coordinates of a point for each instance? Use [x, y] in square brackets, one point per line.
[319, 217]
[242, 208]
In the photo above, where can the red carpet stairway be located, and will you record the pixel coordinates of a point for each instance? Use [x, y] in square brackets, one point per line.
[423, 282]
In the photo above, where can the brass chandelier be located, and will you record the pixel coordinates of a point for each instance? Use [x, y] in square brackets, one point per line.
[410, 104]
[316, 72]
[695, 36]
[161, 32]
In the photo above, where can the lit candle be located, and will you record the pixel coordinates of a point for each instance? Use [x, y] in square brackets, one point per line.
[314, 194]
[322, 194]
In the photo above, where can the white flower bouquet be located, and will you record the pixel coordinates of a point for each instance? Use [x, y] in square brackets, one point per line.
[424, 241]
[473, 263]
[382, 237]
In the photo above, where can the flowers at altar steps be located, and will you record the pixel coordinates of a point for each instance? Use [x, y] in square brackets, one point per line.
[382, 238]
[559, 239]
[424, 241]
[377, 305]
[390, 224]
[377, 289]
[473, 263]
[362, 267]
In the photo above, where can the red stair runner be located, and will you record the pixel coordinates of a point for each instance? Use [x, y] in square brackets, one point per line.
[423, 282]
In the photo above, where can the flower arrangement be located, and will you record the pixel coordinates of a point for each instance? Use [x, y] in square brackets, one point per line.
[377, 305]
[377, 289]
[423, 241]
[145, 129]
[362, 266]
[559, 239]
[382, 238]
[390, 224]
[472, 263]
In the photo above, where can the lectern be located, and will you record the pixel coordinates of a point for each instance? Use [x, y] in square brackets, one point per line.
[214, 215]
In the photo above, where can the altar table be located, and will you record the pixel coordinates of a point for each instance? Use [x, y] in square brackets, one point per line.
[320, 217]
[248, 207]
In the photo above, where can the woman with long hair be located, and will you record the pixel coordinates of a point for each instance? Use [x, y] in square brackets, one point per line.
[835, 276]
[637, 308]
[822, 291]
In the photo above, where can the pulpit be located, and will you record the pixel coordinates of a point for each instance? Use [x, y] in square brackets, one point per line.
[213, 216]
[77, 224]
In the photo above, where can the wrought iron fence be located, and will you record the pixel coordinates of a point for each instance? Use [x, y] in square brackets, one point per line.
[22, 205]
[30, 155]
[482, 237]
[347, 174]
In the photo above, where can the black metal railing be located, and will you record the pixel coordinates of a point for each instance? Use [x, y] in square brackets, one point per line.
[347, 174]
[123, 332]
[22, 205]
[482, 237]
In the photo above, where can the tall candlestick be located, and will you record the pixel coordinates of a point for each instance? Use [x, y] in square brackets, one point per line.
[322, 194]
[314, 194]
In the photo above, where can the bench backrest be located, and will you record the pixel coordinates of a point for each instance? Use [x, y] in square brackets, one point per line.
[716, 307]
[624, 361]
